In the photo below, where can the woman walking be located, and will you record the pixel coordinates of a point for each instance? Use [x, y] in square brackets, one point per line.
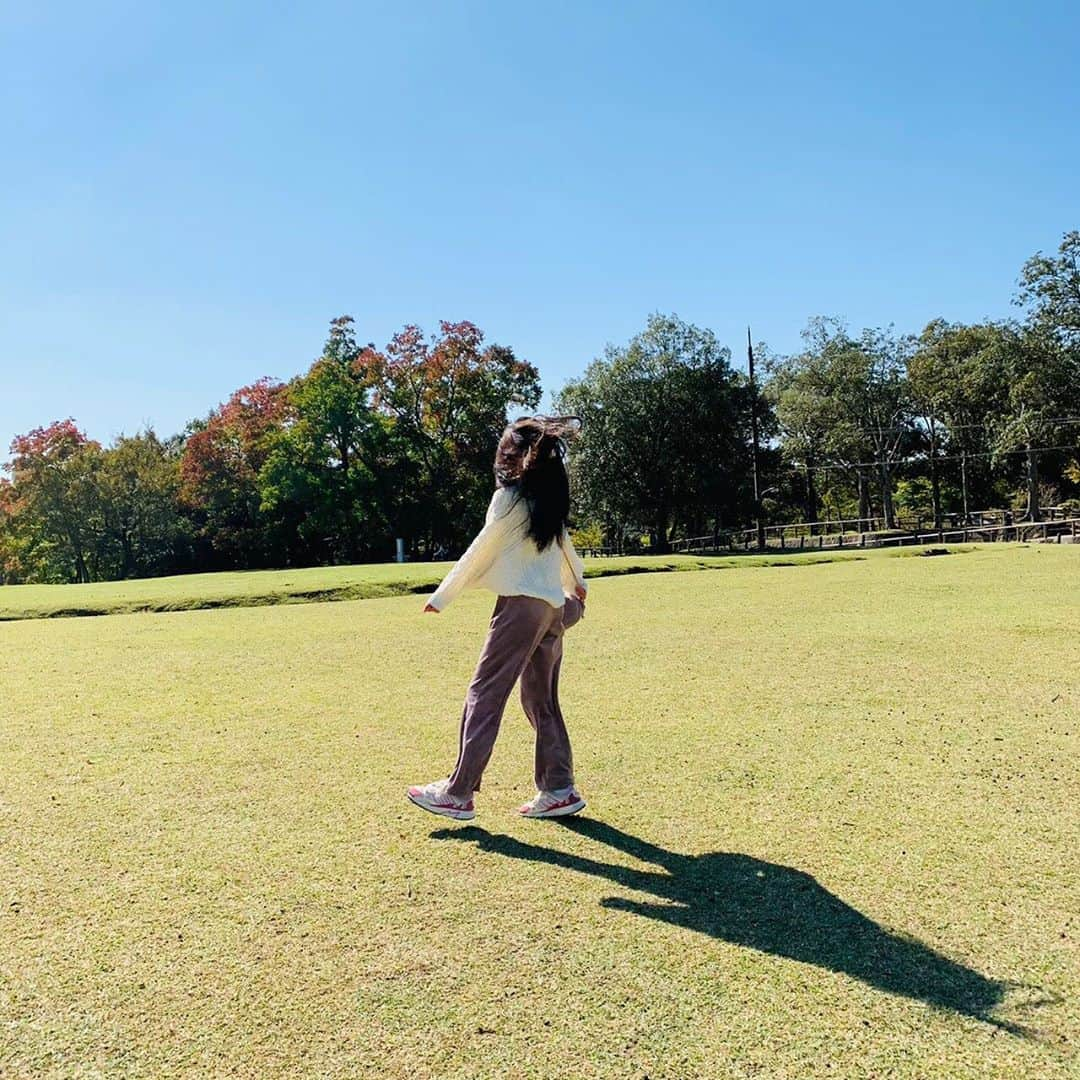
[524, 554]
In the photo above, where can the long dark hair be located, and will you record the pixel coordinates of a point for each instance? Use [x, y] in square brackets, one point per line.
[532, 458]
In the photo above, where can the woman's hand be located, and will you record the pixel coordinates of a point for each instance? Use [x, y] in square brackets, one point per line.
[580, 593]
[433, 610]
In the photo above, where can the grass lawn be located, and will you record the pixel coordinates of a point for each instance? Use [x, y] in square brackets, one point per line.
[832, 830]
[321, 583]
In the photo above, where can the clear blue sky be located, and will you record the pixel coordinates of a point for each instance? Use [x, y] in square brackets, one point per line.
[190, 192]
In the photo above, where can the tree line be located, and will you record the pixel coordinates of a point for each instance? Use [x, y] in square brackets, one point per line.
[370, 444]
[855, 426]
[366, 446]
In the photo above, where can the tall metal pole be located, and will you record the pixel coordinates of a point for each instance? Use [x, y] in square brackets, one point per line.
[760, 525]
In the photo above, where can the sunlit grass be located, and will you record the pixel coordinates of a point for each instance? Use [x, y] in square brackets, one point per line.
[322, 583]
[832, 831]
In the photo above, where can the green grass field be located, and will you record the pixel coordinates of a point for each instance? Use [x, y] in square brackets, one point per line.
[255, 588]
[832, 830]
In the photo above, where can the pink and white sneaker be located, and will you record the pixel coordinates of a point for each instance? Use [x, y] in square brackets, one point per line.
[561, 803]
[435, 798]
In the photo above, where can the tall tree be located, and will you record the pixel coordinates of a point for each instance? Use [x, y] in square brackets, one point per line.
[139, 481]
[872, 371]
[15, 568]
[54, 474]
[1050, 289]
[1045, 375]
[845, 399]
[957, 379]
[448, 399]
[800, 390]
[666, 429]
[219, 473]
[322, 471]
[1041, 378]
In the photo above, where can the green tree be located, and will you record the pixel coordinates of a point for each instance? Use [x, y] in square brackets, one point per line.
[320, 472]
[874, 388]
[958, 381]
[219, 473]
[1044, 373]
[15, 566]
[801, 393]
[1042, 382]
[54, 478]
[138, 485]
[447, 398]
[1050, 289]
[665, 433]
[845, 400]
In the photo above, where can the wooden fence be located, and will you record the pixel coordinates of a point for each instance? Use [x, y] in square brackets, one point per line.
[1004, 529]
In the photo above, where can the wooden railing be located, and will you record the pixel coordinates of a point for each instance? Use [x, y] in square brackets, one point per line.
[1022, 531]
[746, 539]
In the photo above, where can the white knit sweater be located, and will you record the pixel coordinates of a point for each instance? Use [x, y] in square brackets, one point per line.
[504, 559]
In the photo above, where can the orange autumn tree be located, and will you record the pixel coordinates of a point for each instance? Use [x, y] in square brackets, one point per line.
[449, 398]
[14, 568]
[219, 472]
[52, 510]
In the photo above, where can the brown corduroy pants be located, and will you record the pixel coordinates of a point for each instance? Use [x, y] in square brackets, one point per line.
[524, 641]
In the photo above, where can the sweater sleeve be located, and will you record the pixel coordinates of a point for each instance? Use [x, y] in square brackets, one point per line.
[572, 570]
[481, 553]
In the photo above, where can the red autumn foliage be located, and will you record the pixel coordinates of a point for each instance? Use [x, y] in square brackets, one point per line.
[226, 455]
[55, 442]
[10, 501]
[10, 563]
[448, 384]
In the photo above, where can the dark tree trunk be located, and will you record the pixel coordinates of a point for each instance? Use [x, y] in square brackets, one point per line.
[935, 480]
[1033, 511]
[658, 535]
[964, 485]
[811, 507]
[886, 495]
[864, 500]
[129, 556]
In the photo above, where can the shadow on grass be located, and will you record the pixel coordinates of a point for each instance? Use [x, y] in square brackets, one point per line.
[774, 909]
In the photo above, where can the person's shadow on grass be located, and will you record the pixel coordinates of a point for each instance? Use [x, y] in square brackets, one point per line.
[774, 909]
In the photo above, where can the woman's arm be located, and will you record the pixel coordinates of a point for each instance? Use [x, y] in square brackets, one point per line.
[572, 570]
[480, 554]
